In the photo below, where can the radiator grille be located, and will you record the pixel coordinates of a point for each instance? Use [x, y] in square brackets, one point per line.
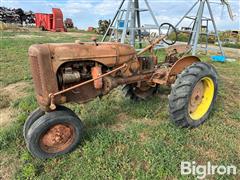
[36, 74]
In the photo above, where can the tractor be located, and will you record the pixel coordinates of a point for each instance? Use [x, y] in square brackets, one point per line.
[82, 71]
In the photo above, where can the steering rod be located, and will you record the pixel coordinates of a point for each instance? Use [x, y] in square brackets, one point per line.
[150, 46]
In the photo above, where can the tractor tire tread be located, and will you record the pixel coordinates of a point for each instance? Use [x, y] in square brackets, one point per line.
[181, 91]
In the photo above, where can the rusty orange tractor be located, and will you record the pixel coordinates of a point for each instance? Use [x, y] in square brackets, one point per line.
[79, 72]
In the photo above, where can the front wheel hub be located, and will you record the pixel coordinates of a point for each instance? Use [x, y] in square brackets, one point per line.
[57, 138]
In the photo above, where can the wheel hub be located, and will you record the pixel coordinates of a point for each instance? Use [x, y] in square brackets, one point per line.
[201, 98]
[57, 138]
[197, 96]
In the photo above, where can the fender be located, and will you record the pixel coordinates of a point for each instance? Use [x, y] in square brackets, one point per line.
[181, 64]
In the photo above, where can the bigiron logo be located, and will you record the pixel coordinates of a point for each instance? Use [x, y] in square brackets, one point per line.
[201, 171]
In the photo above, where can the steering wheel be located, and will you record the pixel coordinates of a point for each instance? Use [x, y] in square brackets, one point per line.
[170, 32]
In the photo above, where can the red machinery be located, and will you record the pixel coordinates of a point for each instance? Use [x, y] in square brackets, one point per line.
[50, 22]
[68, 23]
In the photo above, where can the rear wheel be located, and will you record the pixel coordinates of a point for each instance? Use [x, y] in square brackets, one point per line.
[53, 134]
[139, 93]
[193, 95]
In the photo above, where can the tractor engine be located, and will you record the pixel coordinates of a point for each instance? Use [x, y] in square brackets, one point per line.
[75, 72]
[56, 67]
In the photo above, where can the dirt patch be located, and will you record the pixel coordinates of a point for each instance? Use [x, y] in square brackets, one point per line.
[229, 52]
[27, 36]
[77, 34]
[9, 94]
[4, 101]
[210, 153]
[8, 166]
[229, 79]
[147, 121]
[120, 122]
[117, 127]
[232, 123]
[143, 137]
[234, 53]
[207, 153]
[5, 116]
[123, 119]
[15, 91]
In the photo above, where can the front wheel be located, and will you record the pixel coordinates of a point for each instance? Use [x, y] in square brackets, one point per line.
[37, 113]
[53, 134]
[193, 95]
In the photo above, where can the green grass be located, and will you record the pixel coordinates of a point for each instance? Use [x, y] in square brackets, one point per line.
[124, 140]
[232, 45]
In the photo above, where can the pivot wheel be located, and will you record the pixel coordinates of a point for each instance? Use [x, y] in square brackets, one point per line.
[53, 134]
[136, 93]
[193, 95]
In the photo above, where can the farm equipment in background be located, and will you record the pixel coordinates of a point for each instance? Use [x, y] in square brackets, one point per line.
[16, 16]
[91, 29]
[50, 22]
[68, 23]
[232, 37]
[80, 72]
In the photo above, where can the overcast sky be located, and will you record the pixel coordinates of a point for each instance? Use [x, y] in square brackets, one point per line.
[86, 13]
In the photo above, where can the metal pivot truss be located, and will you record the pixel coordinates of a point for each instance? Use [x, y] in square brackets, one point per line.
[200, 26]
[126, 24]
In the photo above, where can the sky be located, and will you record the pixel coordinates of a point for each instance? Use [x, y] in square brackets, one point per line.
[86, 13]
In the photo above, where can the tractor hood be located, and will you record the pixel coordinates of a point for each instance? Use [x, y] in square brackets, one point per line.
[109, 54]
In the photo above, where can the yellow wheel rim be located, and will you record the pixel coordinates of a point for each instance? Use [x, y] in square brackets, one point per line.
[201, 98]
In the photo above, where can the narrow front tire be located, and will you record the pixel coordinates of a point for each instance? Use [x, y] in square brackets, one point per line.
[53, 134]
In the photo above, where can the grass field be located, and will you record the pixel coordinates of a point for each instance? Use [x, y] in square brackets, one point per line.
[124, 140]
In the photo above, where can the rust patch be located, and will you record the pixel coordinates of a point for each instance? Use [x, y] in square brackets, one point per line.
[57, 138]
[196, 97]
